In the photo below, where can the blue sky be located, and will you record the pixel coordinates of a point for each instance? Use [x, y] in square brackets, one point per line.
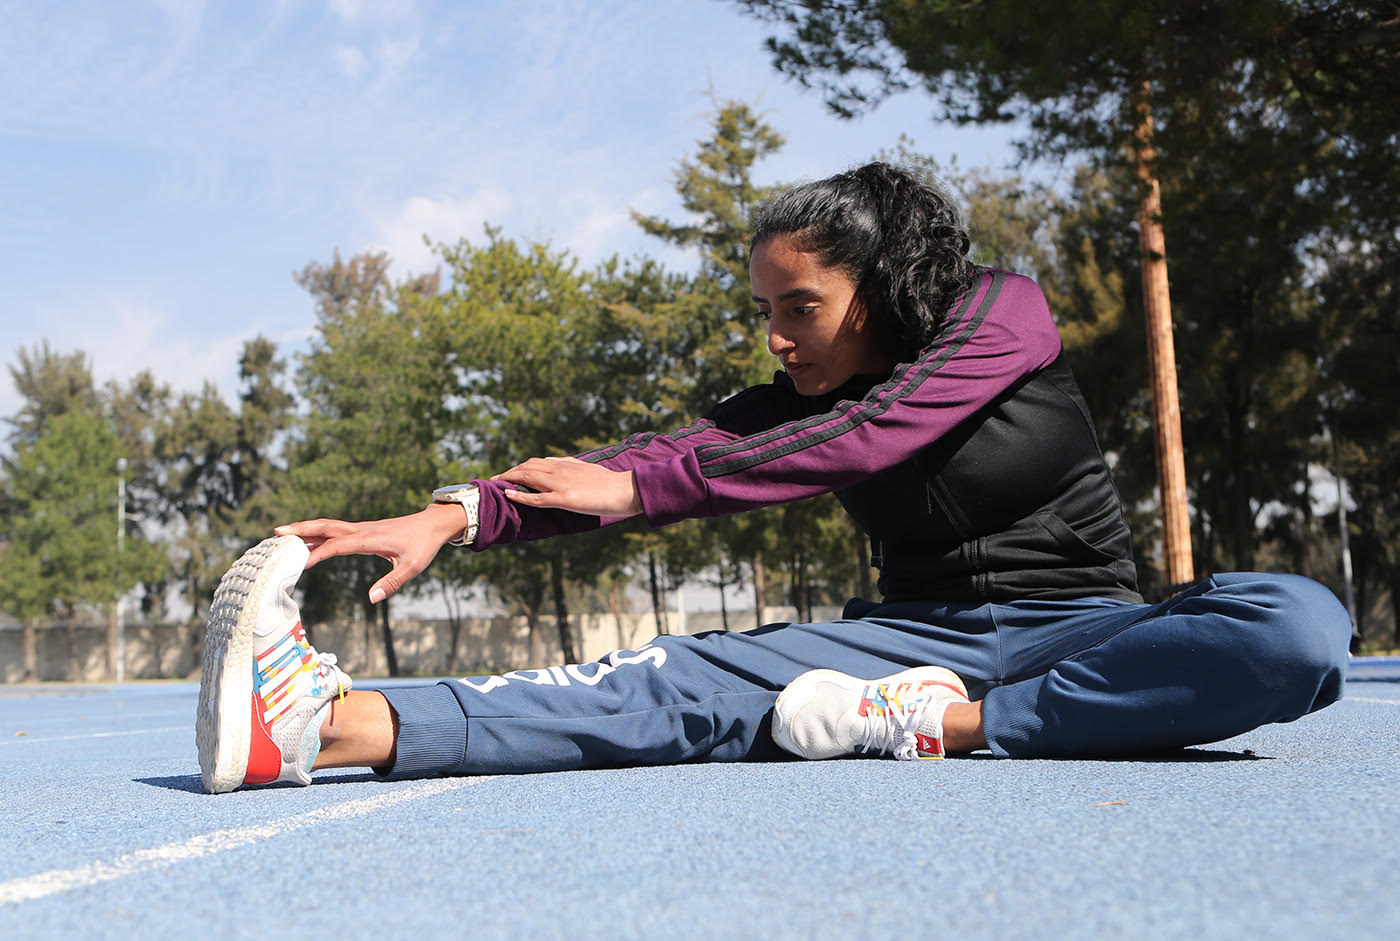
[168, 164]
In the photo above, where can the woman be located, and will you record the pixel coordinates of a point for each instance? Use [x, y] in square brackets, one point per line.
[934, 399]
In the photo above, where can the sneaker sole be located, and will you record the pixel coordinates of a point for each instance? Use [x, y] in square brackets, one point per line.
[800, 691]
[224, 720]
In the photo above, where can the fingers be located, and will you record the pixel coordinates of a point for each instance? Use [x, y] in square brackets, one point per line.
[355, 541]
[543, 498]
[566, 483]
[316, 533]
[408, 543]
[321, 529]
[406, 568]
[547, 479]
[383, 588]
[538, 471]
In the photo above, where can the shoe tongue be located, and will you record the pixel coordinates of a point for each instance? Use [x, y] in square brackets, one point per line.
[278, 610]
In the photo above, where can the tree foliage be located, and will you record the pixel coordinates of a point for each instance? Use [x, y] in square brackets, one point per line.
[58, 554]
[367, 447]
[1282, 197]
[1276, 143]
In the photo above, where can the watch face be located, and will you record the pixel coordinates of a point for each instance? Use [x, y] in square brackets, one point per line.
[446, 493]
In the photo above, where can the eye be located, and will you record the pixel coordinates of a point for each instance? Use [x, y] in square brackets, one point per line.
[764, 314]
[804, 309]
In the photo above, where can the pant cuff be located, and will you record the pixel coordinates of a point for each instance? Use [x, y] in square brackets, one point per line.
[1009, 719]
[432, 731]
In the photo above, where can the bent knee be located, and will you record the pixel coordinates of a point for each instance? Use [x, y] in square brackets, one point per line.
[1302, 629]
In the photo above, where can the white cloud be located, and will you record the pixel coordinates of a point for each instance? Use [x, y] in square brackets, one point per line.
[157, 147]
[358, 11]
[440, 218]
[122, 338]
[594, 232]
[145, 338]
[351, 60]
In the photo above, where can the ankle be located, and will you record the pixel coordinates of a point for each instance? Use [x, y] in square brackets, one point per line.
[962, 727]
[361, 730]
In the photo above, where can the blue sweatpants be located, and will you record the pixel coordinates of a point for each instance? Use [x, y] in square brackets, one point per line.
[1056, 678]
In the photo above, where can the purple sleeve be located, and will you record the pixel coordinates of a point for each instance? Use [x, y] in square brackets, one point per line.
[760, 449]
[501, 521]
[999, 333]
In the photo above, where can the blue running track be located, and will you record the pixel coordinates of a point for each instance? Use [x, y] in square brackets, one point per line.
[1292, 831]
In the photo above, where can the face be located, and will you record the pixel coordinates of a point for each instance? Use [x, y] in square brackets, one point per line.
[817, 326]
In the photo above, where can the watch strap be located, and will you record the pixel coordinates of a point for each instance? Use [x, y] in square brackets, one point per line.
[469, 498]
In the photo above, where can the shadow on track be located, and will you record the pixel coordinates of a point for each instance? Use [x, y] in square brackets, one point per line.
[191, 783]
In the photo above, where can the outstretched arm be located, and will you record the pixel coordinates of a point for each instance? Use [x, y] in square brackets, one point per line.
[410, 542]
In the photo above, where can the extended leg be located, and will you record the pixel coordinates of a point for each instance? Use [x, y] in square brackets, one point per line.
[706, 697]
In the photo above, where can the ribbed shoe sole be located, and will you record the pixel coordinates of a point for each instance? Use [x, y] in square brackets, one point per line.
[798, 695]
[223, 723]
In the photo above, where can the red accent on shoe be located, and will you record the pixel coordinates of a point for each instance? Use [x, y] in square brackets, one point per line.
[932, 747]
[264, 757]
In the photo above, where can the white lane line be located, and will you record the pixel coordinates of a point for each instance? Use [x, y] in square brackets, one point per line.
[21, 739]
[1392, 702]
[206, 844]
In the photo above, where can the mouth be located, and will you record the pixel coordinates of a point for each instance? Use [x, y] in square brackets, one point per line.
[796, 369]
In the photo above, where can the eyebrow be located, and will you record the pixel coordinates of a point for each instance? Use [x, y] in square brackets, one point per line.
[786, 295]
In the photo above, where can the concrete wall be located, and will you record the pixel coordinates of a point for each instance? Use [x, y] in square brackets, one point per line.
[485, 645]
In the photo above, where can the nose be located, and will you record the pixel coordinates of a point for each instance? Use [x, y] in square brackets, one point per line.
[778, 344]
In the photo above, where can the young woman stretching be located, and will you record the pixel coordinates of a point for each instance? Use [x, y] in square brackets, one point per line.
[933, 398]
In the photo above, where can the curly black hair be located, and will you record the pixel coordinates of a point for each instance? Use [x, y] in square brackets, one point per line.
[901, 240]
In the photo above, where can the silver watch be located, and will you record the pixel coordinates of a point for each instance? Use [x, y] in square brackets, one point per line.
[470, 499]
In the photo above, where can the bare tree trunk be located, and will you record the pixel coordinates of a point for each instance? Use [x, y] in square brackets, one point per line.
[1241, 509]
[861, 543]
[760, 594]
[112, 644]
[31, 651]
[615, 609]
[454, 624]
[388, 635]
[657, 602]
[1395, 603]
[1362, 575]
[538, 657]
[71, 630]
[1161, 352]
[369, 617]
[802, 587]
[723, 608]
[561, 609]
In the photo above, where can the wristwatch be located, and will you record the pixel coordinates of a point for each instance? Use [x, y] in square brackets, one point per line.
[470, 498]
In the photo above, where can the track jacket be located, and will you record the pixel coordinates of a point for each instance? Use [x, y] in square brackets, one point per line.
[975, 469]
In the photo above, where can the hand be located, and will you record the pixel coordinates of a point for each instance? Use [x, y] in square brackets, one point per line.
[409, 543]
[566, 483]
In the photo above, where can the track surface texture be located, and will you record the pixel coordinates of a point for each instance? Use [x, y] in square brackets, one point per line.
[1291, 831]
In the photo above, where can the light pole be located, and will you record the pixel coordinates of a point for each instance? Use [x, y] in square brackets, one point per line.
[121, 548]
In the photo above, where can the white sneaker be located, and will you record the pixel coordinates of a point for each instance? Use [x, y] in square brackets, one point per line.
[824, 714]
[265, 690]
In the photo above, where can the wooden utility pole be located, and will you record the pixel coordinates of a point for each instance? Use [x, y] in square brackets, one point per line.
[1161, 351]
